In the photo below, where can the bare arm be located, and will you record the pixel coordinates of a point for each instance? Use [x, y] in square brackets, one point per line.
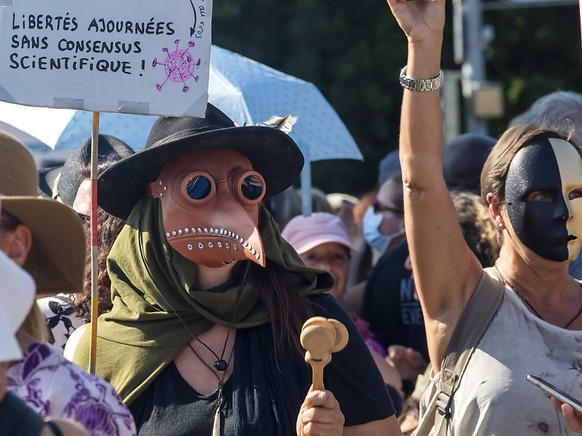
[73, 341]
[388, 370]
[352, 300]
[445, 270]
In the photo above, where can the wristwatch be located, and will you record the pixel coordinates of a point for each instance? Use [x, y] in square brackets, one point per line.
[420, 85]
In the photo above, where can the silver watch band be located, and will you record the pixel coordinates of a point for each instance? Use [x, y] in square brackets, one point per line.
[420, 85]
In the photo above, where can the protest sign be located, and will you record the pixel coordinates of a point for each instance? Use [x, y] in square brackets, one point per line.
[132, 56]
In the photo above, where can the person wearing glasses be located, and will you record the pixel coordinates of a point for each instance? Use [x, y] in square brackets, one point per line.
[382, 229]
[383, 222]
[389, 303]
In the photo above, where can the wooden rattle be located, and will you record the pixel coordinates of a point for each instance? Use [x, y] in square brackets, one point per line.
[320, 337]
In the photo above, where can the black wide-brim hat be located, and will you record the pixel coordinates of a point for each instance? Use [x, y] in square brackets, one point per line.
[63, 182]
[272, 153]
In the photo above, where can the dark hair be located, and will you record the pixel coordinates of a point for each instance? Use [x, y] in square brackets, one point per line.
[477, 227]
[9, 222]
[287, 309]
[397, 193]
[494, 174]
[109, 228]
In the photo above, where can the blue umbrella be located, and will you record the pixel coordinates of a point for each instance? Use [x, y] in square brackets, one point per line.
[250, 92]
[132, 129]
[42, 129]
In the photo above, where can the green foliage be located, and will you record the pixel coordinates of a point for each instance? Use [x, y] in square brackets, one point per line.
[536, 51]
[353, 52]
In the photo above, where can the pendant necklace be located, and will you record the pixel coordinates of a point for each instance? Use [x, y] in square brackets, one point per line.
[530, 306]
[536, 313]
[220, 365]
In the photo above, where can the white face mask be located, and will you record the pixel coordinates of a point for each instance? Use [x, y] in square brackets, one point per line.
[371, 230]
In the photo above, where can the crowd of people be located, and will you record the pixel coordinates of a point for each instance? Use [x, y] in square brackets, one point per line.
[208, 270]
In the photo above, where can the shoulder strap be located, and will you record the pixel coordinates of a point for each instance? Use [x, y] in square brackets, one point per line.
[476, 317]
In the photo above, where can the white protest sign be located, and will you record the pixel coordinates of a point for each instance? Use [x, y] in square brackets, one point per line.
[131, 56]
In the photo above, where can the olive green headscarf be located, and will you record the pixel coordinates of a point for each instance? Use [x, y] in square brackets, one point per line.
[150, 280]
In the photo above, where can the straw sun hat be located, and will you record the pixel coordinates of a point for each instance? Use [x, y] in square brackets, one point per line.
[57, 258]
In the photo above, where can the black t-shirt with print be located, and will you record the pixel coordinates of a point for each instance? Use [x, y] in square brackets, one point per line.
[390, 306]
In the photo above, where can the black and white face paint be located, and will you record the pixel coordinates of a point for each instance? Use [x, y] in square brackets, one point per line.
[543, 194]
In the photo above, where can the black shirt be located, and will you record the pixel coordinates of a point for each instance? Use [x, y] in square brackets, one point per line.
[266, 389]
[390, 306]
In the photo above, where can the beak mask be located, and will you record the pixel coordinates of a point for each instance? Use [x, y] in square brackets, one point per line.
[210, 206]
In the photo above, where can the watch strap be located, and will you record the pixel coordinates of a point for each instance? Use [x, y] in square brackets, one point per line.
[421, 85]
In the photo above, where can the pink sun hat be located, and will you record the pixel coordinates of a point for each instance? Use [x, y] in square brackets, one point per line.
[306, 232]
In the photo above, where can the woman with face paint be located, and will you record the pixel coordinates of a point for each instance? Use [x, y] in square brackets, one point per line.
[208, 299]
[532, 183]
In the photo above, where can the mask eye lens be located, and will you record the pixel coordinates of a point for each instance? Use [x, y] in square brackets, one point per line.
[198, 187]
[252, 187]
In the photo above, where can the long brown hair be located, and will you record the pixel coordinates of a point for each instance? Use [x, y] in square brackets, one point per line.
[109, 228]
[287, 309]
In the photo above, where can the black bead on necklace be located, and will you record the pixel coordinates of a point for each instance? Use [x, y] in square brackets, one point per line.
[220, 365]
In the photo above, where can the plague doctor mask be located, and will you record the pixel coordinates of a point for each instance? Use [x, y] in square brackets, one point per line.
[210, 203]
